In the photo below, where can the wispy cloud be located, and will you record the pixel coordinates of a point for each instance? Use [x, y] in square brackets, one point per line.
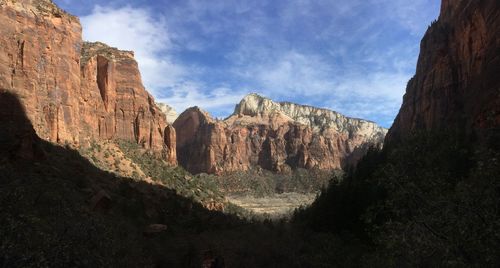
[220, 101]
[138, 30]
[354, 56]
[149, 36]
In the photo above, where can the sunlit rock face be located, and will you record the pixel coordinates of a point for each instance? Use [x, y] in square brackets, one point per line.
[274, 136]
[73, 91]
[114, 101]
[457, 83]
[39, 62]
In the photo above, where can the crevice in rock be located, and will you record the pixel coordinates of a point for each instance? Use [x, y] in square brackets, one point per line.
[20, 53]
[103, 79]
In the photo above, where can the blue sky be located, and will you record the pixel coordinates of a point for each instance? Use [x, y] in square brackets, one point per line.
[351, 56]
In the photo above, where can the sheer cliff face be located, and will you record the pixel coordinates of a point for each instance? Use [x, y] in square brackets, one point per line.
[274, 136]
[457, 83]
[71, 91]
[39, 61]
[114, 102]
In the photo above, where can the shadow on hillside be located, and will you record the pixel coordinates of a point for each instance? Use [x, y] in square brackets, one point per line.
[58, 209]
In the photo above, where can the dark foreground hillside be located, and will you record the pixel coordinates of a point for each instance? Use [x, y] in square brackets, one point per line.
[431, 198]
[432, 201]
[59, 210]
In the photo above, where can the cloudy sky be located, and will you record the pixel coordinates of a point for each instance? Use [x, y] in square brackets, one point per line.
[352, 56]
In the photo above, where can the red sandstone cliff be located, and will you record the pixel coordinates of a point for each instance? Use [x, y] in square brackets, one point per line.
[274, 136]
[114, 103]
[73, 91]
[457, 83]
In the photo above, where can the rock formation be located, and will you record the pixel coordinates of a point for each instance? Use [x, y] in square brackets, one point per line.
[115, 104]
[72, 91]
[273, 136]
[457, 83]
[169, 112]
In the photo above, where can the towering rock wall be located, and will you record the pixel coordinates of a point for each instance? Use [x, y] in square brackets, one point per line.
[73, 91]
[274, 136]
[457, 83]
[39, 62]
[114, 103]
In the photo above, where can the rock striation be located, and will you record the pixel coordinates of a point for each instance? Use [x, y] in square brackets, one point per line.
[73, 91]
[274, 136]
[39, 62]
[457, 83]
[115, 104]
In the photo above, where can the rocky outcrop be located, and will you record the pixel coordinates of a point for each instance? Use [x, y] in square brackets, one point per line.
[457, 83]
[115, 104]
[273, 136]
[72, 91]
[169, 112]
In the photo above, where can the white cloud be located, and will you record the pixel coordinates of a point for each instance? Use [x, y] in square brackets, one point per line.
[149, 37]
[375, 95]
[295, 73]
[349, 90]
[410, 15]
[190, 94]
[135, 29]
[359, 68]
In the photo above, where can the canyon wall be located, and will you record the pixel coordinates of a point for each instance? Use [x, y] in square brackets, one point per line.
[73, 91]
[274, 136]
[457, 82]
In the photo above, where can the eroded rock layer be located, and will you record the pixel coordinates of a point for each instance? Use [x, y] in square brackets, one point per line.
[457, 82]
[273, 136]
[72, 91]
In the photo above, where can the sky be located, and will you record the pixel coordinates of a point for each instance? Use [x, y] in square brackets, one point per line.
[351, 56]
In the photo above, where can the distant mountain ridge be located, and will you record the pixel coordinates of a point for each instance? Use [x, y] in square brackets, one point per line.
[274, 136]
[317, 118]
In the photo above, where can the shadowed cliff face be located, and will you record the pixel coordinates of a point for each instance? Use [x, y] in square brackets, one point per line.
[274, 136]
[18, 140]
[457, 83]
[62, 211]
[72, 91]
[59, 210]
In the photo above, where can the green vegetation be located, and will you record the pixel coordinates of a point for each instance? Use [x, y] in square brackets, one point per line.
[48, 219]
[199, 188]
[262, 183]
[431, 201]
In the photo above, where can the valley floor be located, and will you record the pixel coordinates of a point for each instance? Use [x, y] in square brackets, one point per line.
[277, 205]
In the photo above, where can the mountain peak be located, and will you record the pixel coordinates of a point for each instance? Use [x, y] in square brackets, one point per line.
[170, 113]
[254, 104]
